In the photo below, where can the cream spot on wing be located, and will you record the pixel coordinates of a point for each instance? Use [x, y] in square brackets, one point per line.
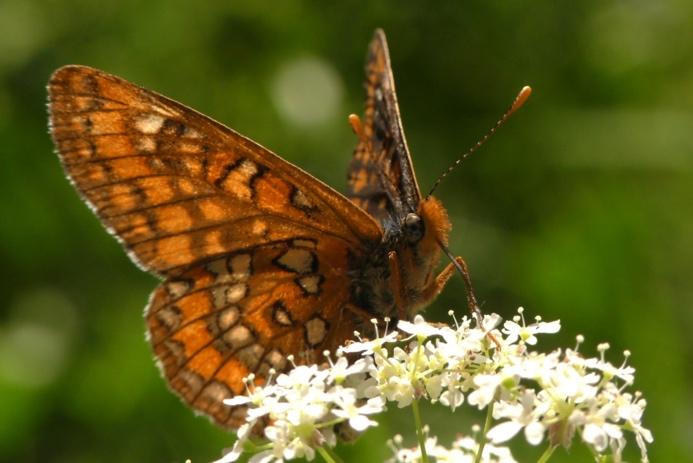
[236, 292]
[215, 392]
[276, 359]
[251, 355]
[225, 295]
[301, 201]
[227, 318]
[169, 316]
[156, 163]
[248, 168]
[177, 288]
[149, 123]
[297, 260]
[238, 336]
[281, 316]
[191, 133]
[146, 144]
[310, 283]
[193, 381]
[316, 330]
[259, 227]
[237, 180]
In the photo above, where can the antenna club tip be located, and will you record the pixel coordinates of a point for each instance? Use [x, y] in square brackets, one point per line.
[356, 126]
[521, 98]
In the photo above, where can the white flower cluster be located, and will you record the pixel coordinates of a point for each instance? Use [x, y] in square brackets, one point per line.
[303, 407]
[556, 395]
[462, 450]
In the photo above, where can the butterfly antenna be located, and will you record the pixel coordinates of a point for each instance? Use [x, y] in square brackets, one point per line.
[520, 99]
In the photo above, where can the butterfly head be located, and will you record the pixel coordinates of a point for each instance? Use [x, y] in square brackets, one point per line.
[433, 226]
[421, 234]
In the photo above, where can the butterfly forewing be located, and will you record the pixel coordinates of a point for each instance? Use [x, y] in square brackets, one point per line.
[176, 187]
[381, 177]
[255, 251]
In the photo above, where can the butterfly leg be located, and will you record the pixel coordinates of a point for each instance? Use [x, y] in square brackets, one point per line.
[396, 284]
[441, 280]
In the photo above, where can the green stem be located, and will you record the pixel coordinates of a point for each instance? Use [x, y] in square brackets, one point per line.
[419, 430]
[547, 454]
[487, 427]
[328, 455]
[329, 424]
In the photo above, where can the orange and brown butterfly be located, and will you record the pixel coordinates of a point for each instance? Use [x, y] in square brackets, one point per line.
[259, 259]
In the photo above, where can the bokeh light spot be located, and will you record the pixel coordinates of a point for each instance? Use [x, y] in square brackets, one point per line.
[307, 92]
[35, 342]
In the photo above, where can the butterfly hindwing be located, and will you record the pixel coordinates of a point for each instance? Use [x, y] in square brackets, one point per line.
[244, 313]
[177, 187]
[381, 177]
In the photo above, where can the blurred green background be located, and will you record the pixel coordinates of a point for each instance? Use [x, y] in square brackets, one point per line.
[580, 209]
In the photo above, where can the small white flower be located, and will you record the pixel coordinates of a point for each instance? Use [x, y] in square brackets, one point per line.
[346, 407]
[420, 329]
[453, 396]
[522, 414]
[242, 435]
[527, 333]
[486, 384]
[341, 370]
[369, 347]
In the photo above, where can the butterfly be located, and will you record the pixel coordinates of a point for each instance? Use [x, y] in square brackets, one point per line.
[259, 259]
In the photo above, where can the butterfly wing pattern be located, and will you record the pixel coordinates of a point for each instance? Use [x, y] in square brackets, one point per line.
[259, 259]
[252, 249]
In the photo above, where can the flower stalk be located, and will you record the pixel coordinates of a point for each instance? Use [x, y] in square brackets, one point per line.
[547, 453]
[487, 426]
[419, 430]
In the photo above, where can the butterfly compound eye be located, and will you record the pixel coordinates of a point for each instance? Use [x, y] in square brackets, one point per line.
[413, 228]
